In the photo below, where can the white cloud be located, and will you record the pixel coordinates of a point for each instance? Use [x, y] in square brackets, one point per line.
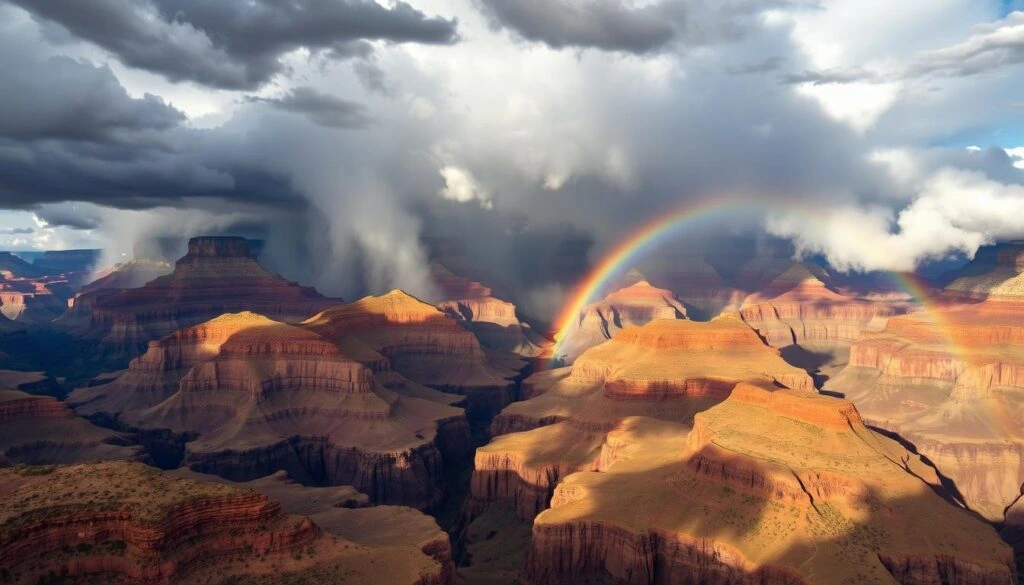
[460, 185]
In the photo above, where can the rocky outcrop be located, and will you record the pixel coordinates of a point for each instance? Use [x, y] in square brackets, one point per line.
[38, 430]
[633, 305]
[423, 344]
[493, 321]
[949, 380]
[249, 396]
[996, 273]
[33, 300]
[668, 368]
[218, 275]
[120, 522]
[771, 486]
[797, 308]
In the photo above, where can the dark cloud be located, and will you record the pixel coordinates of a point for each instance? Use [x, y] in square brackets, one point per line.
[320, 108]
[234, 44]
[373, 77]
[614, 25]
[17, 231]
[70, 215]
[62, 98]
[763, 66]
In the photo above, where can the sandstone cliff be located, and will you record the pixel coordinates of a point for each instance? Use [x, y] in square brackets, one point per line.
[249, 396]
[770, 487]
[950, 380]
[217, 275]
[422, 343]
[797, 308]
[127, 523]
[668, 369]
[493, 321]
[633, 305]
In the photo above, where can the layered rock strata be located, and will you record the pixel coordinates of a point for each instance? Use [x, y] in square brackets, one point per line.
[493, 321]
[218, 275]
[422, 343]
[128, 523]
[249, 396]
[633, 305]
[39, 430]
[797, 308]
[669, 369]
[769, 487]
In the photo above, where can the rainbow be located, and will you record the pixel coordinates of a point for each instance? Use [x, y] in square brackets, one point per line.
[628, 251]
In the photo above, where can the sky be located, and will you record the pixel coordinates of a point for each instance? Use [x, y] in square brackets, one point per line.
[346, 133]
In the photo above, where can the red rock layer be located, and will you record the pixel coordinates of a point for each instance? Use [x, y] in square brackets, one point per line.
[423, 344]
[145, 528]
[636, 304]
[252, 396]
[798, 308]
[218, 275]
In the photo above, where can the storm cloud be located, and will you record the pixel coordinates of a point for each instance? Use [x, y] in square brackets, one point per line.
[234, 44]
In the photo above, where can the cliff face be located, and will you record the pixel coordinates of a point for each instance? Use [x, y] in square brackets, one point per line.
[797, 308]
[668, 369]
[634, 305]
[421, 343]
[131, 274]
[38, 430]
[493, 321]
[121, 522]
[252, 396]
[217, 275]
[949, 380]
[33, 299]
[770, 486]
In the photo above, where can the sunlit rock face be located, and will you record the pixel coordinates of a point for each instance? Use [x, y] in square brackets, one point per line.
[950, 381]
[798, 308]
[494, 322]
[770, 486]
[248, 396]
[424, 344]
[129, 523]
[632, 305]
[668, 369]
[218, 275]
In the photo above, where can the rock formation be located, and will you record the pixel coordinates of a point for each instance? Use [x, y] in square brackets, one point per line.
[249, 396]
[218, 275]
[33, 300]
[422, 343]
[699, 285]
[493, 321]
[128, 523]
[950, 380]
[668, 369]
[797, 308]
[39, 430]
[636, 304]
[769, 487]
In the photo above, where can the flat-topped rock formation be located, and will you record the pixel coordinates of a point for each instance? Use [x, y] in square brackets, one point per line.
[16, 266]
[797, 308]
[422, 343]
[218, 275]
[950, 380]
[250, 396]
[493, 321]
[633, 305]
[769, 487]
[668, 369]
[128, 523]
[38, 430]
